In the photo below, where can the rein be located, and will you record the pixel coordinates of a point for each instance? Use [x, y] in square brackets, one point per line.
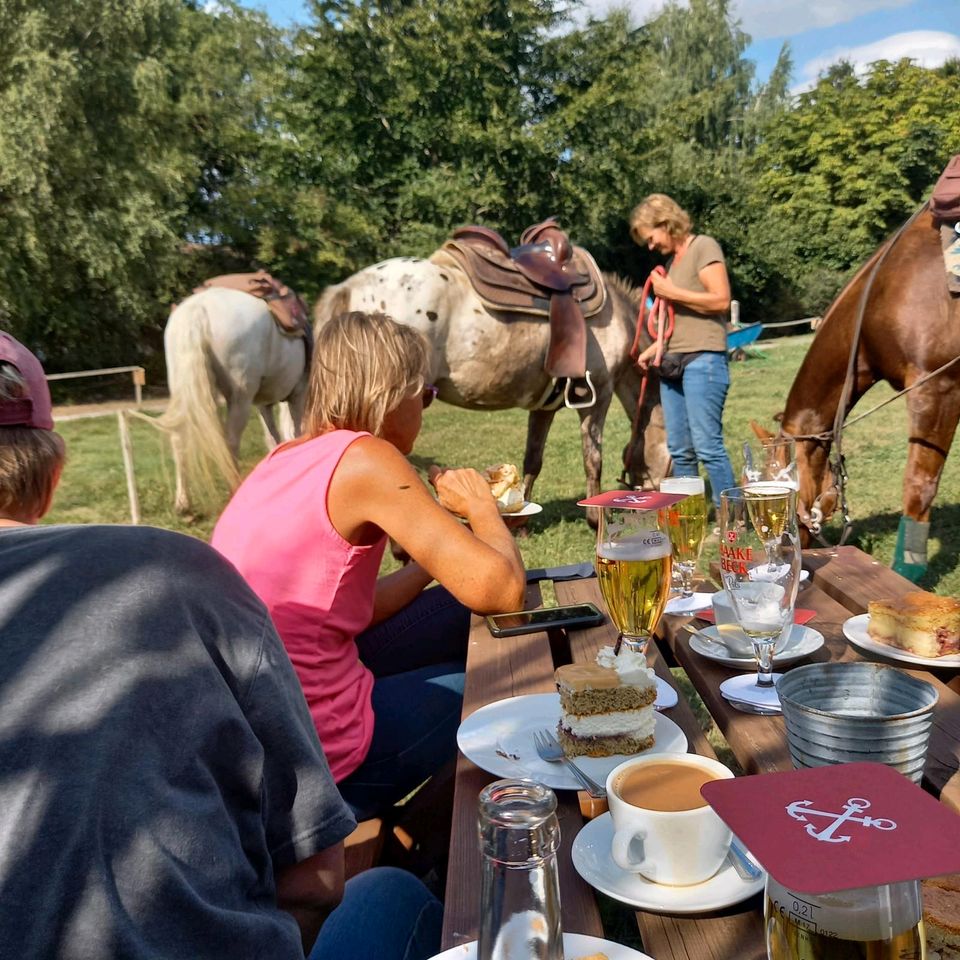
[660, 324]
[834, 437]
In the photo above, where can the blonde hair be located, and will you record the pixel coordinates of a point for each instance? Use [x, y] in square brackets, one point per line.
[659, 210]
[364, 365]
[31, 460]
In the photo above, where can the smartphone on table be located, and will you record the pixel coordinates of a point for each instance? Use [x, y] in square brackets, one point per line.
[574, 616]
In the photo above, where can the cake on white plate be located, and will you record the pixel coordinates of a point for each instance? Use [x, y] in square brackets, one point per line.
[921, 623]
[941, 917]
[506, 486]
[608, 706]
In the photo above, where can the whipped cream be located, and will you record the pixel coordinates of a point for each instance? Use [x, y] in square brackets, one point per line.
[630, 665]
[634, 723]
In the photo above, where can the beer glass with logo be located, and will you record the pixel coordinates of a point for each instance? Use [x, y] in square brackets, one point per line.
[686, 523]
[633, 562]
[761, 571]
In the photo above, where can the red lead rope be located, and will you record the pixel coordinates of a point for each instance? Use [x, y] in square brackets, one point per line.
[660, 325]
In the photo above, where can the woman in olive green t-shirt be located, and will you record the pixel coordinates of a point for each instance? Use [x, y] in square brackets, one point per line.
[694, 378]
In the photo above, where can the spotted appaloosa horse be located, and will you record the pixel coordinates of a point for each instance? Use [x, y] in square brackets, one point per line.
[491, 360]
[910, 327]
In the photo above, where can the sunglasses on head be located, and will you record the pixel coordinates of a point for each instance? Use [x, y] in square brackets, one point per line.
[429, 395]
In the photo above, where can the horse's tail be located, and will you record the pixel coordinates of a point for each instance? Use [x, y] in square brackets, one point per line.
[333, 301]
[192, 416]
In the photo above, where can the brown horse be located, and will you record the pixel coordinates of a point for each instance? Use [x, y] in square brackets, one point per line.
[894, 321]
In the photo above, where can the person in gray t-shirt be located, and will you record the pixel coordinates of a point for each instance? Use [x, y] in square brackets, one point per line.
[164, 793]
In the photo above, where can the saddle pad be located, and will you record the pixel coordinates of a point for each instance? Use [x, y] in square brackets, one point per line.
[502, 287]
[950, 244]
[286, 307]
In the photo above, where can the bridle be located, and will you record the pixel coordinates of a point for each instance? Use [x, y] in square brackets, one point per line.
[833, 439]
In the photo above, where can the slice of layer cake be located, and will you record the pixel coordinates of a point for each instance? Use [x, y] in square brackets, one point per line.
[921, 623]
[607, 706]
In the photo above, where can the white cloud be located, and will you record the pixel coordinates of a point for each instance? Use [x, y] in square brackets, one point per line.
[928, 48]
[763, 19]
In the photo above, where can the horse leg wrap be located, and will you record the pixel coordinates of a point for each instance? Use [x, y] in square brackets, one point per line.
[910, 555]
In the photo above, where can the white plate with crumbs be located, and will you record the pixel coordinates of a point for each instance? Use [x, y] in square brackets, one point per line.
[855, 630]
[575, 946]
[498, 738]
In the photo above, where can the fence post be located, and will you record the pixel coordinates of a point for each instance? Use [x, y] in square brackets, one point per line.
[127, 447]
[139, 379]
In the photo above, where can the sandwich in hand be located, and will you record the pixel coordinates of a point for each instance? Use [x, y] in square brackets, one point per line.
[506, 486]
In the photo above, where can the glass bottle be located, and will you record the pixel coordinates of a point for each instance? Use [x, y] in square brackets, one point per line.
[520, 885]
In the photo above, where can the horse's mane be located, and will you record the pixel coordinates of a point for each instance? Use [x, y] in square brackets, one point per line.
[624, 286]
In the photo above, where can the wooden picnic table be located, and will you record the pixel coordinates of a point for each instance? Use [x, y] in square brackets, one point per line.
[842, 581]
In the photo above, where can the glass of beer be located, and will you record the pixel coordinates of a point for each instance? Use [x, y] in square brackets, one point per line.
[686, 523]
[760, 569]
[883, 923]
[634, 560]
[772, 507]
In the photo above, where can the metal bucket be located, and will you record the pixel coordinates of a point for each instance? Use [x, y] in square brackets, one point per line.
[851, 712]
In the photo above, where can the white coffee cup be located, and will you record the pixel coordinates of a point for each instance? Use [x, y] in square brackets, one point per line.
[675, 847]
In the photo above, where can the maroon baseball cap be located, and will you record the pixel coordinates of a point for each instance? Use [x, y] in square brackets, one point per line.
[34, 409]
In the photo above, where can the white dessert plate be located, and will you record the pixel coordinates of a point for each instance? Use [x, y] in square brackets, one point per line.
[855, 630]
[744, 688]
[499, 739]
[679, 606]
[528, 509]
[574, 945]
[801, 643]
[666, 695]
[592, 860]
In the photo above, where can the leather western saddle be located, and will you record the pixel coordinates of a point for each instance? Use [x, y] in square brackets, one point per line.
[288, 309]
[545, 276]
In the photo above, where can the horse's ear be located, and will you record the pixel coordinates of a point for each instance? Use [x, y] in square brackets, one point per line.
[761, 432]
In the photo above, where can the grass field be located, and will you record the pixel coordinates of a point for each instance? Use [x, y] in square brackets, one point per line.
[94, 489]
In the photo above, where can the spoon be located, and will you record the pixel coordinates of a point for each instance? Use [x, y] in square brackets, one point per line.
[714, 641]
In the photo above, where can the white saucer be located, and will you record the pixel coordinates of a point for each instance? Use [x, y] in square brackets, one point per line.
[498, 738]
[666, 696]
[679, 606]
[801, 642]
[574, 945]
[592, 860]
[744, 687]
[855, 630]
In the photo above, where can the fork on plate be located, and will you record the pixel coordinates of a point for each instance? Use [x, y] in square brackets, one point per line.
[549, 749]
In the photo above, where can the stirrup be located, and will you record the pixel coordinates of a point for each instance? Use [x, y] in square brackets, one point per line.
[552, 398]
[568, 397]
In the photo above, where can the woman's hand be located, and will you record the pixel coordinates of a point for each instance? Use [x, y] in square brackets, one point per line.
[460, 490]
[647, 357]
[663, 286]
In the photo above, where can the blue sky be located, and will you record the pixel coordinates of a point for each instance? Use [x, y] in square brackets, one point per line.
[819, 32]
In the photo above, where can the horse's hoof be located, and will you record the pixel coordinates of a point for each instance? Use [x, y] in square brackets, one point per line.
[911, 571]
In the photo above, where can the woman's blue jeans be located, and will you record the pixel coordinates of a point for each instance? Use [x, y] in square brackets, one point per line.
[693, 416]
[418, 658]
[386, 914]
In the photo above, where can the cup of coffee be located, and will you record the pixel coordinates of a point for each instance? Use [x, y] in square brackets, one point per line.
[663, 829]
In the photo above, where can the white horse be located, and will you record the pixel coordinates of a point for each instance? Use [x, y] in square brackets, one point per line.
[226, 342]
[484, 359]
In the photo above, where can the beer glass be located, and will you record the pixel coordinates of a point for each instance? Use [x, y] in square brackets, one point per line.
[634, 559]
[883, 923]
[686, 523]
[774, 460]
[761, 571]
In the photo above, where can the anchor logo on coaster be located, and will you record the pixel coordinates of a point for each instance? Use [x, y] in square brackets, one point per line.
[801, 810]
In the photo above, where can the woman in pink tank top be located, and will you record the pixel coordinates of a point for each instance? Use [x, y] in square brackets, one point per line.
[380, 659]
